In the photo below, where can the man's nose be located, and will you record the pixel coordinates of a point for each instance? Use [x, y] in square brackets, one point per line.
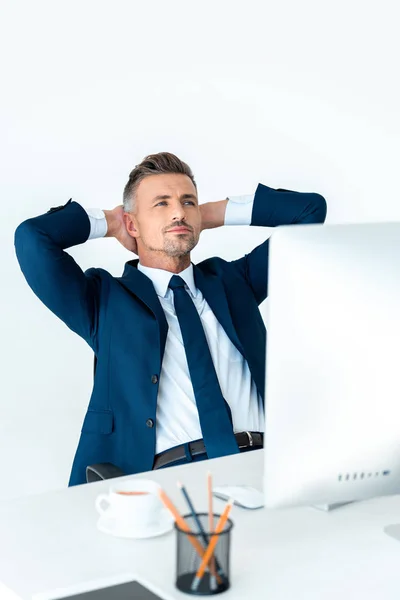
[178, 212]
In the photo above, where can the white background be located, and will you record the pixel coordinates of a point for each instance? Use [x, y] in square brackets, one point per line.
[301, 95]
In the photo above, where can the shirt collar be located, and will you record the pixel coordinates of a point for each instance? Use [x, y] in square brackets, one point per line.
[161, 279]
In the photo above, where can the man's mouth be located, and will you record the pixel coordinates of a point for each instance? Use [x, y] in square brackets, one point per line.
[179, 230]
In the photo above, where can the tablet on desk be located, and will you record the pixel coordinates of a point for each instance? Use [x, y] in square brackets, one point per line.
[123, 591]
[107, 590]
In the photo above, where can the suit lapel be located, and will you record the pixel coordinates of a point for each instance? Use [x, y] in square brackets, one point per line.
[140, 285]
[213, 291]
[210, 286]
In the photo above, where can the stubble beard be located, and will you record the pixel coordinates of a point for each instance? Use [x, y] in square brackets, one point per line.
[176, 248]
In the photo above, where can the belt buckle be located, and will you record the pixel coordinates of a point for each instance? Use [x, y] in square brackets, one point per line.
[250, 437]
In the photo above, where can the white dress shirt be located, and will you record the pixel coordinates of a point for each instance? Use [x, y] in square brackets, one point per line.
[177, 419]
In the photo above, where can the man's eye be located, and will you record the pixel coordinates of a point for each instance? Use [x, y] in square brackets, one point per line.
[163, 202]
[189, 202]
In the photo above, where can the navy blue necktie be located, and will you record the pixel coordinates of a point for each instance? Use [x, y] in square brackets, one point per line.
[214, 412]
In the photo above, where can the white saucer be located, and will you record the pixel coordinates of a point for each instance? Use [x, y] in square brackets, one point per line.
[112, 526]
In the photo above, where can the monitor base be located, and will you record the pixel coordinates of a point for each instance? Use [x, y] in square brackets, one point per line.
[328, 507]
[393, 531]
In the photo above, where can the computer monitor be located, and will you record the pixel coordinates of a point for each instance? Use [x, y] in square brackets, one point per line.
[332, 418]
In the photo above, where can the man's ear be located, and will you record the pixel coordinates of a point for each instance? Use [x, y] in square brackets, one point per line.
[130, 225]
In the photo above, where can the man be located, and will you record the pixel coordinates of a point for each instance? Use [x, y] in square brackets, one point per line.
[180, 348]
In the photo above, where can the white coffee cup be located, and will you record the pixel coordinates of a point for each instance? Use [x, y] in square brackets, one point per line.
[133, 503]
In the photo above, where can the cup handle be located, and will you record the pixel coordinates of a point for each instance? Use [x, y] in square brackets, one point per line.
[102, 498]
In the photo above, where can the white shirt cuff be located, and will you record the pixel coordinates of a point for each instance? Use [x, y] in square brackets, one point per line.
[239, 210]
[98, 223]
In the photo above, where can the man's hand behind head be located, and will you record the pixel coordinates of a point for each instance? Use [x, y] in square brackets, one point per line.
[212, 214]
[116, 228]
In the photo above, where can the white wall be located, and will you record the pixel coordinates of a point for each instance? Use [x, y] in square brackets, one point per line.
[302, 95]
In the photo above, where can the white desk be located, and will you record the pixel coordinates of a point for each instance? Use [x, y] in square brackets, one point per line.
[50, 541]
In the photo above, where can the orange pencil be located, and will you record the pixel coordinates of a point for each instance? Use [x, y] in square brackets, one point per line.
[211, 546]
[181, 522]
[211, 523]
[210, 502]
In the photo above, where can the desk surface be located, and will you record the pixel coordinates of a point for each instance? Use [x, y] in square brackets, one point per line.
[50, 541]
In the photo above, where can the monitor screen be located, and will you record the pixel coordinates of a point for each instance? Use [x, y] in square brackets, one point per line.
[332, 364]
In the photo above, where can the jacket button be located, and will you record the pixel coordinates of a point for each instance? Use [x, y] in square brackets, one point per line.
[154, 379]
[150, 423]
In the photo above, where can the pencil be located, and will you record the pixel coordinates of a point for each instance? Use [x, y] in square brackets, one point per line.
[210, 502]
[211, 546]
[193, 511]
[211, 525]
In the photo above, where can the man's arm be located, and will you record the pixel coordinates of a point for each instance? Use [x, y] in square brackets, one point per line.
[52, 274]
[270, 208]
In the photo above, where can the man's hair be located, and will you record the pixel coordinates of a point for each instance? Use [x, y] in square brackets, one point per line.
[154, 164]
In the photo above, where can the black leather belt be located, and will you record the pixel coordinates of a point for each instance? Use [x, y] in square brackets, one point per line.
[245, 439]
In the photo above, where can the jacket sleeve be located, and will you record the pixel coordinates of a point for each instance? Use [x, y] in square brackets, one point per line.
[53, 274]
[273, 208]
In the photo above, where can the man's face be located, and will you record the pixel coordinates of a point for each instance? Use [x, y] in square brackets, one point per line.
[166, 216]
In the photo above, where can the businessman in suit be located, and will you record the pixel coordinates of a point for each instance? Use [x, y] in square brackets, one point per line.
[180, 348]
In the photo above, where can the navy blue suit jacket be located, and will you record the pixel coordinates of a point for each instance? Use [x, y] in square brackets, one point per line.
[123, 322]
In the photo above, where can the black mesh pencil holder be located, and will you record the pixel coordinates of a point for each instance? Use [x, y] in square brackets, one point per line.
[191, 549]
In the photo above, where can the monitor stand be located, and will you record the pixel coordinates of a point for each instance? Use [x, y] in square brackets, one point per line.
[393, 531]
[328, 507]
